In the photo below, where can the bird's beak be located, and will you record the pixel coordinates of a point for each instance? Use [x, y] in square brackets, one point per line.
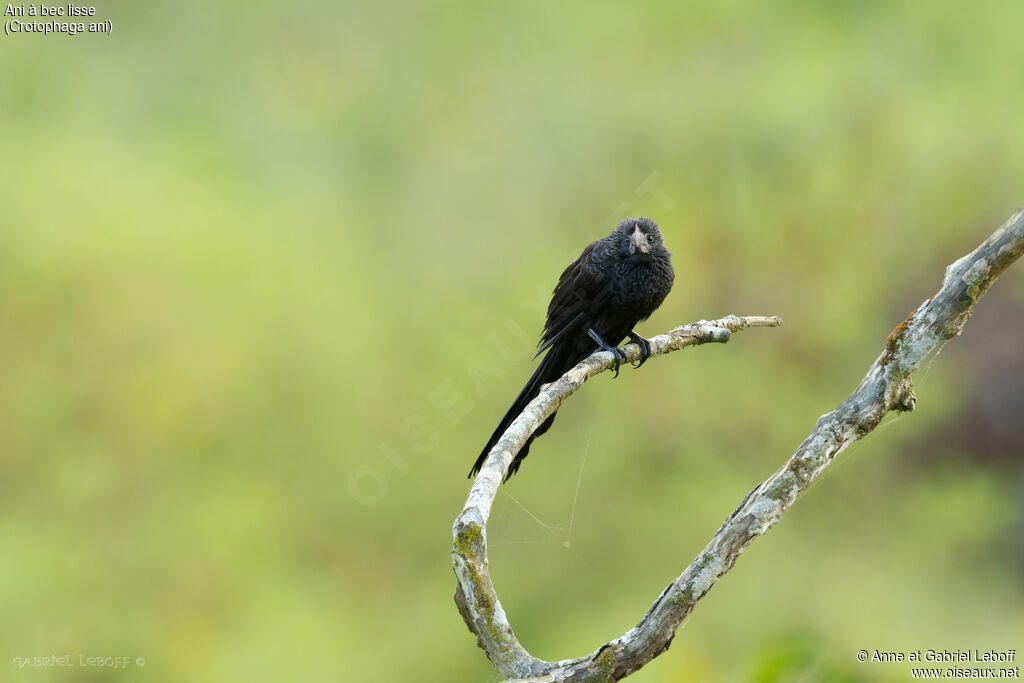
[640, 240]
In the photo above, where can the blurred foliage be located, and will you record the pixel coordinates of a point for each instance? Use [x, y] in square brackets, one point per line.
[253, 255]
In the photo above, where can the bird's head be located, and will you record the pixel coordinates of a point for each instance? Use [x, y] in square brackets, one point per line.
[637, 236]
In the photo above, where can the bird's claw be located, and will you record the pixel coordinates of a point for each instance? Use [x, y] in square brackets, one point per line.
[618, 354]
[645, 349]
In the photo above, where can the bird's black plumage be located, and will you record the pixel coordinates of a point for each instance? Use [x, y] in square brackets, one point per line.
[616, 282]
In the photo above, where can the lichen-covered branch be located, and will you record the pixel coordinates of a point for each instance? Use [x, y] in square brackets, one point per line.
[475, 594]
[886, 387]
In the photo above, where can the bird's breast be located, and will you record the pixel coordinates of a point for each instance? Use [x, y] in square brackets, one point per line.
[643, 284]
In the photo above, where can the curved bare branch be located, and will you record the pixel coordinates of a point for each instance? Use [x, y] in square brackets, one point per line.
[475, 593]
[886, 387]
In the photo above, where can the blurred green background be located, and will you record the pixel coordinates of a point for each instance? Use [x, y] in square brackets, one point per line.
[271, 272]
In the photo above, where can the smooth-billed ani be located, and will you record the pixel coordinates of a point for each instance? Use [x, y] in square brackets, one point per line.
[616, 282]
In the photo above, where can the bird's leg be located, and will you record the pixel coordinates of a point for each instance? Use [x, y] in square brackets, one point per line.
[605, 346]
[645, 348]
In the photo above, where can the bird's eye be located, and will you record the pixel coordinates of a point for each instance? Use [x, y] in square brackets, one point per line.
[650, 239]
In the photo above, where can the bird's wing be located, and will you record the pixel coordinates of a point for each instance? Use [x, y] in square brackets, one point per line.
[580, 291]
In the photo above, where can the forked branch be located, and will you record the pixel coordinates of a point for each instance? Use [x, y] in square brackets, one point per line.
[886, 387]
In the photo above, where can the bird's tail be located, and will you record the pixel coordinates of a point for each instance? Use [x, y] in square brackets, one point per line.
[557, 361]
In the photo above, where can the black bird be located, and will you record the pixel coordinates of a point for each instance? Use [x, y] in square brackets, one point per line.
[616, 282]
